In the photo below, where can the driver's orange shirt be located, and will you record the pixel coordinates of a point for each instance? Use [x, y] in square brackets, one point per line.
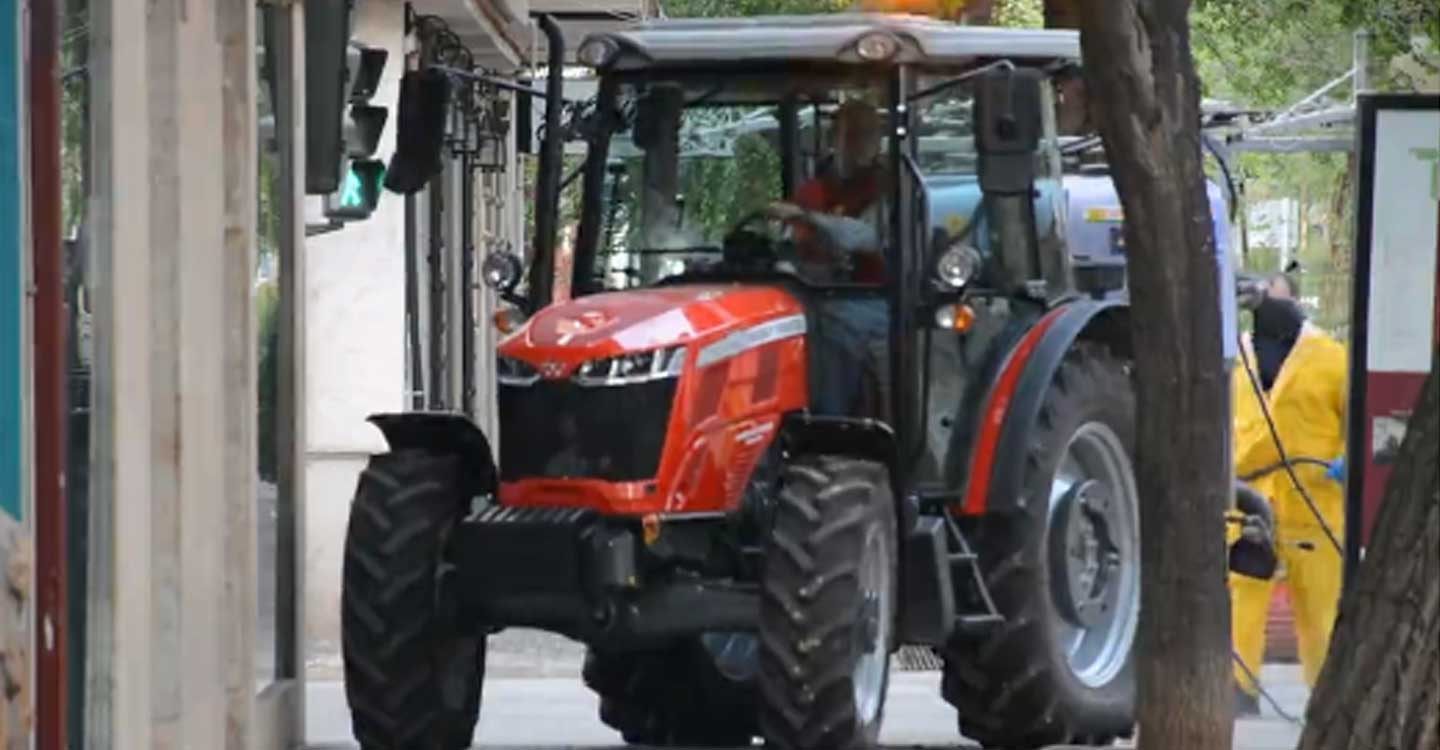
[834, 195]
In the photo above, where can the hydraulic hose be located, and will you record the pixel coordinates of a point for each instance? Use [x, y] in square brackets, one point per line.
[1272, 468]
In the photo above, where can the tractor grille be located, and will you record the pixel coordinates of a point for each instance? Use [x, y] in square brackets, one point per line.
[559, 429]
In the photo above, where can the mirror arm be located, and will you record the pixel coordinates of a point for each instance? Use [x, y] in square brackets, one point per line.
[499, 83]
[957, 80]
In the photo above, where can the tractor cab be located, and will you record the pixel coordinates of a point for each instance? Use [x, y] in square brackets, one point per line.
[835, 170]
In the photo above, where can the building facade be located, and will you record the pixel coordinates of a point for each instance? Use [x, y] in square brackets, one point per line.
[224, 344]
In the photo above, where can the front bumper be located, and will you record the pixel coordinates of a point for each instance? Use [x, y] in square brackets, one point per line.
[581, 574]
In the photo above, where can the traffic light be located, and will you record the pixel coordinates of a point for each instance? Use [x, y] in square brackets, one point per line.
[342, 126]
[359, 191]
[327, 38]
[363, 66]
[359, 177]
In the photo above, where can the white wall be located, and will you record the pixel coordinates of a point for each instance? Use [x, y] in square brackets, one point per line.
[355, 345]
[355, 350]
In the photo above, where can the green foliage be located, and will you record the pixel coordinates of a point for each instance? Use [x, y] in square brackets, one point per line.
[1265, 53]
[720, 192]
[74, 48]
[1270, 54]
[1394, 23]
[1028, 14]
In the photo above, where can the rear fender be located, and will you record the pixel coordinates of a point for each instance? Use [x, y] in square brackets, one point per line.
[443, 434]
[1013, 402]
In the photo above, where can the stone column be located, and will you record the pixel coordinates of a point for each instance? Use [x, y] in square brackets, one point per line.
[174, 455]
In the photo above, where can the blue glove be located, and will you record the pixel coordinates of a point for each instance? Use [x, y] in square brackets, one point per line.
[1336, 470]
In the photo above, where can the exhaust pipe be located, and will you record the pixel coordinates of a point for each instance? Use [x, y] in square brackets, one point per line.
[547, 184]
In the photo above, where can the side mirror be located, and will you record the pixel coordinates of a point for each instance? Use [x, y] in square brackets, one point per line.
[655, 114]
[1007, 128]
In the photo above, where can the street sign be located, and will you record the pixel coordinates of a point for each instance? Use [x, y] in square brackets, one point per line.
[1396, 304]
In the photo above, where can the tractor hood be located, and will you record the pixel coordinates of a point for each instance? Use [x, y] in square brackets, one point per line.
[605, 325]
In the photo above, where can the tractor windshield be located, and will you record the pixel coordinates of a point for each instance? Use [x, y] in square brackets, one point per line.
[686, 165]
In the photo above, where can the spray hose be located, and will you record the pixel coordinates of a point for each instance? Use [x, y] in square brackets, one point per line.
[1287, 463]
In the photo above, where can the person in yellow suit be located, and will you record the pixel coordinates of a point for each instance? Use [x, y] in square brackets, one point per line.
[1302, 372]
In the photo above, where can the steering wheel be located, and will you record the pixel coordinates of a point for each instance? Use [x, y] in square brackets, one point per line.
[746, 247]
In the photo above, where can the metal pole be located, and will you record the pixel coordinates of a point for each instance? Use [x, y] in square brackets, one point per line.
[290, 405]
[412, 306]
[1362, 62]
[77, 480]
[435, 198]
[467, 283]
[50, 400]
[547, 197]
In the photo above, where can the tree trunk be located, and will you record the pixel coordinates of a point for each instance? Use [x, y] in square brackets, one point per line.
[1145, 96]
[1381, 682]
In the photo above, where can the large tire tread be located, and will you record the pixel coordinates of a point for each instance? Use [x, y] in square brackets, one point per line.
[808, 602]
[1006, 687]
[411, 683]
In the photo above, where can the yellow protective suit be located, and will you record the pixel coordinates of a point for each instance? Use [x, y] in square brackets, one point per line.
[1307, 402]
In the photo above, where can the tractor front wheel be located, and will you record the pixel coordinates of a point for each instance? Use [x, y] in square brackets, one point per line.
[827, 606]
[1064, 570]
[412, 681]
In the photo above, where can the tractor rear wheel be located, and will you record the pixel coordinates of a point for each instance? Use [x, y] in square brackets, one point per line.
[1065, 572]
[677, 697]
[827, 606]
[412, 681]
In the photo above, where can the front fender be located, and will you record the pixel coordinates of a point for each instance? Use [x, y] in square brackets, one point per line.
[804, 433]
[443, 434]
[1012, 404]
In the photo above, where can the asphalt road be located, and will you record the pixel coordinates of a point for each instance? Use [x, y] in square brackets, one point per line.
[523, 713]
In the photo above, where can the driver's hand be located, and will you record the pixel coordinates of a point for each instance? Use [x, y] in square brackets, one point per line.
[785, 211]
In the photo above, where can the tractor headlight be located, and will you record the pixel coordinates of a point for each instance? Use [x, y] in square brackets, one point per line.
[501, 270]
[876, 46]
[629, 369]
[511, 371]
[958, 266]
[597, 52]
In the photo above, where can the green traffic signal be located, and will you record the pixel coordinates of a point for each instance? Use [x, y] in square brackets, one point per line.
[360, 192]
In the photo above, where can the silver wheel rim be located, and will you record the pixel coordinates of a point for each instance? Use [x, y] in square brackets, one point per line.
[872, 627]
[1106, 561]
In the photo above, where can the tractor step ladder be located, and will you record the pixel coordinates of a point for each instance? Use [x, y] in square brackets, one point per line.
[964, 565]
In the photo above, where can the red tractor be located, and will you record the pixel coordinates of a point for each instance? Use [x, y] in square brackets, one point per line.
[826, 388]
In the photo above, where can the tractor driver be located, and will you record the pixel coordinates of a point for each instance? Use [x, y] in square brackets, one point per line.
[835, 220]
[849, 187]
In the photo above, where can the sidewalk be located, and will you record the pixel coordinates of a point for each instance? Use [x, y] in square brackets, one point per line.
[534, 699]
